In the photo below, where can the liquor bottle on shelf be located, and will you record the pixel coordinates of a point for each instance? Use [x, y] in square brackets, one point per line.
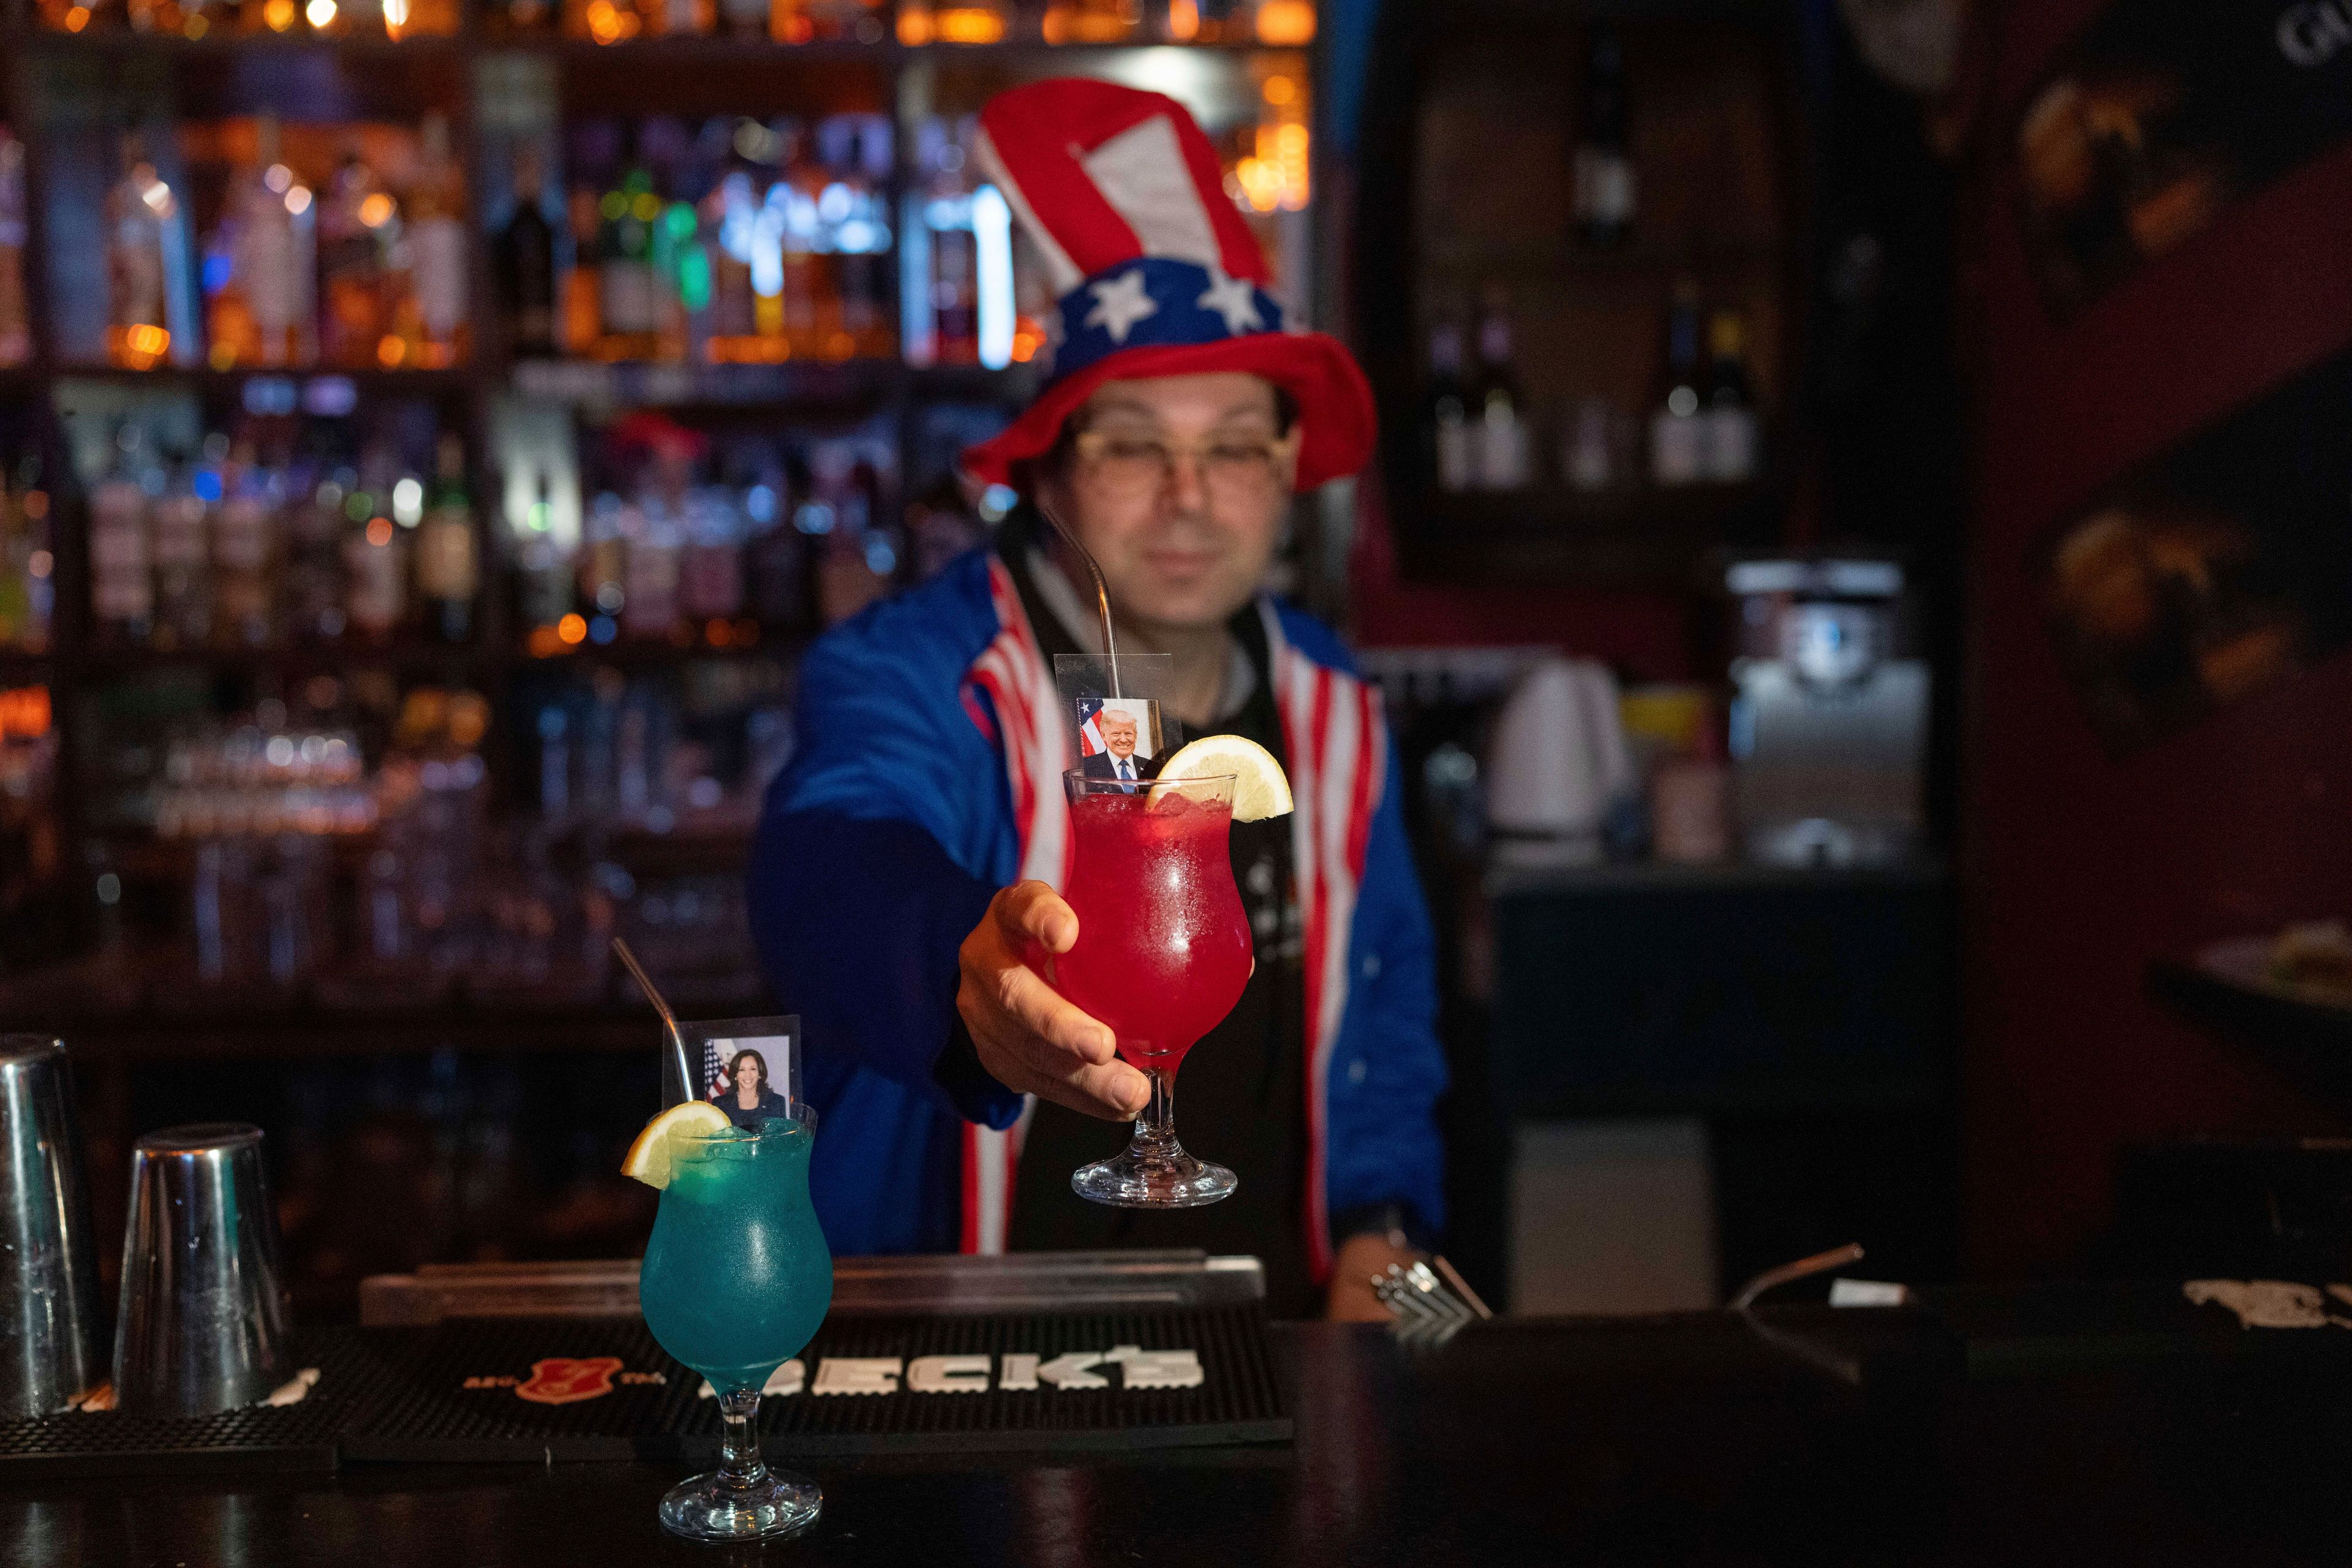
[448, 574]
[16, 316]
[1454, 439]
[601, 564]
[524, 259]
[259, 265]
[652, 544]
[583, 308]
[627, 287]
[141, 218]
[375, 566]
[180, 554]
[807, 303]
[121, 586]
[1502, 446]
[943, 324]
[1677, 433]
[438, 251]
[244, 528]
[27, 560]
[543, 574]
[778, 566]
[1605, 192]
[730, 223]
[710, 573]
[358, 297]
[311, 588]
[1730, 410]
[855, 230]
[744, 19]
[681, 271]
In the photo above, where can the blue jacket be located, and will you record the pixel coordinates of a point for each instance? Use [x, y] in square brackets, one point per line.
[922, 783]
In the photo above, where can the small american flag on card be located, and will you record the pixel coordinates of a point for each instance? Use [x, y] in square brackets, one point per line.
[1090, 741]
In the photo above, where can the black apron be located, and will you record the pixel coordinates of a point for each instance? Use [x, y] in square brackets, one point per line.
[1240, 1096]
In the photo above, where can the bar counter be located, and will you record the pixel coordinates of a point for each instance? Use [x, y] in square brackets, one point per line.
[2050, 1425]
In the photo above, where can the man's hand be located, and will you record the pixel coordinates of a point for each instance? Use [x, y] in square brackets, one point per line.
[1029, 1039]
[1350, 1299]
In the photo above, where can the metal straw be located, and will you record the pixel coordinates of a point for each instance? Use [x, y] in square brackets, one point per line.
[1102, 592]
[669, 1019]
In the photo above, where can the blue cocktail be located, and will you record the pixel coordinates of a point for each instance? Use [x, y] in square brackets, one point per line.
[736, 1280]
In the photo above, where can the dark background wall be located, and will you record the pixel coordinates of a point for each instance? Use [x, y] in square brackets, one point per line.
[2079, 867]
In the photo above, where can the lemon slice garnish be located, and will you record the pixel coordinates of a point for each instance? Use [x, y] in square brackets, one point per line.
[1260, 788]
[648, 1157]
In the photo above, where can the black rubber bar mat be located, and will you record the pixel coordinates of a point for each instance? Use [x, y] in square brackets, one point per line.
[300, 1437]
[542, 1391]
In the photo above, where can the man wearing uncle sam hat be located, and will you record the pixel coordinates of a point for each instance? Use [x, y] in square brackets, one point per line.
[908, 856]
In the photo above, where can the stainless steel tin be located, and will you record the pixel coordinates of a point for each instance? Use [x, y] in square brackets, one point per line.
[204, 1325]
[49, 1267]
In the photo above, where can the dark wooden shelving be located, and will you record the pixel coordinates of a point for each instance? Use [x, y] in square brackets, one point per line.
[369, 383]
[1633, 537]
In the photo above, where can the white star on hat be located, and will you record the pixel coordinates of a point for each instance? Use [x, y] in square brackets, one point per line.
[1120, 304]
[1234, 299]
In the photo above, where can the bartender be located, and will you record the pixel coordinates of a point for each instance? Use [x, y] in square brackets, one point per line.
[908, 858]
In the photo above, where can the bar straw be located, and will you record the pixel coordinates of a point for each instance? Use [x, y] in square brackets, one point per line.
[1102, 593]
[677, 1079]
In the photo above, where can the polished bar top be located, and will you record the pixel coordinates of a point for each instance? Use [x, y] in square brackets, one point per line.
[1801, 1435]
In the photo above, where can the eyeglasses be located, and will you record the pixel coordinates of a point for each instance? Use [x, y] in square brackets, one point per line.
[1239, 467]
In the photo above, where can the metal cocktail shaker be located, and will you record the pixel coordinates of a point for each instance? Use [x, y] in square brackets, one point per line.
[204, 1325]
[49, 1269]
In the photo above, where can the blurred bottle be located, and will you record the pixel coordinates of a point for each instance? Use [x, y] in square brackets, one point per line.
[1604, 163]
[259, 265]
[583, 310]
[357, 228]
[121, 586]
[141, 210]
[779, 556]
[1730, 412]
[524, 259]
[311, 592]
[27, 560]
[447, 572]
[601, 562]
[855, 230]
[437, 252]
[728, 220]
[181, 554]
[1502, 444]
[543, 582]
[244, 526]
[1453, 440]
[810, 308]
[711, 576]
[653, 540]
[1678, 434]
[627, 287]
[16, 318]
[375, 565]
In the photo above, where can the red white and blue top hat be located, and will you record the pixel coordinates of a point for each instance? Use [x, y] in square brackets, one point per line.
[1156, 273]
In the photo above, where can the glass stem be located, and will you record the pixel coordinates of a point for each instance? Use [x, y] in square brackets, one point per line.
[740, 1465]
[1155, 1130]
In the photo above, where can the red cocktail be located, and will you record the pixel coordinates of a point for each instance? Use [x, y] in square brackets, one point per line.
[1162, 954]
